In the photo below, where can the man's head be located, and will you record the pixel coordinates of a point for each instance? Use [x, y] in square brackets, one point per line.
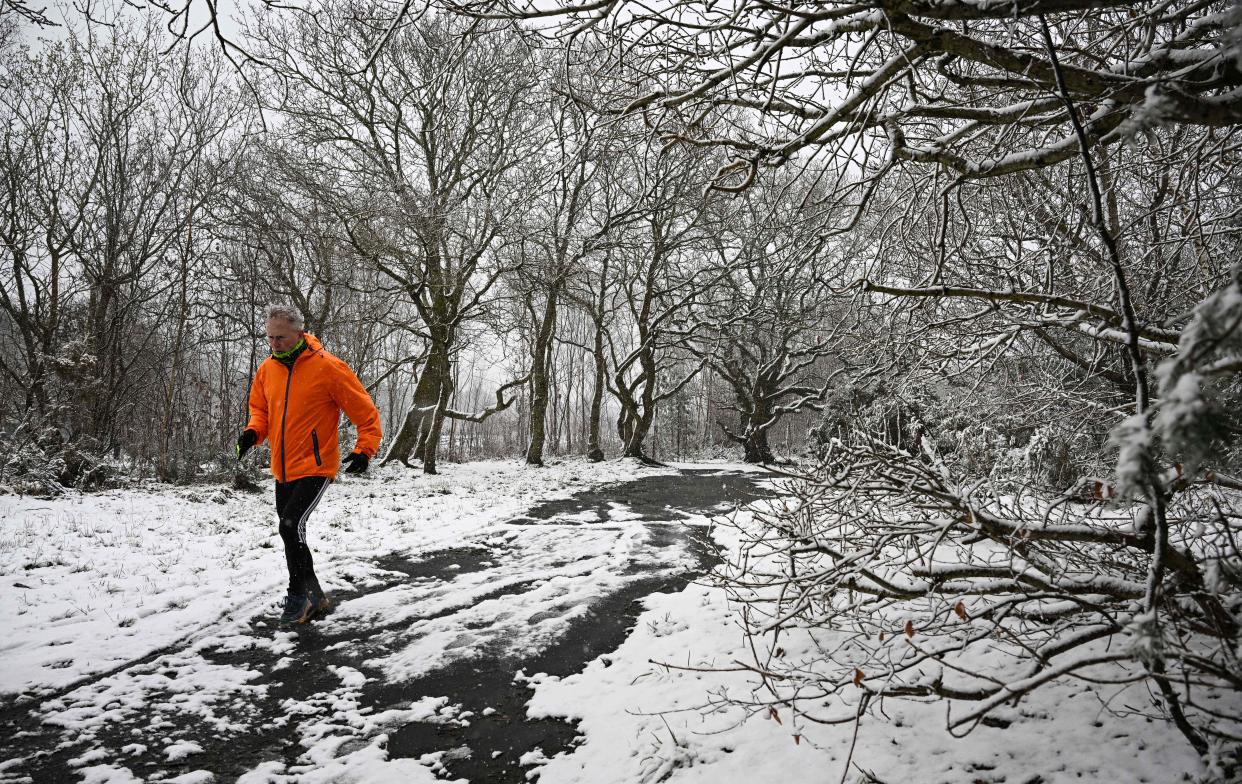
[284, 327]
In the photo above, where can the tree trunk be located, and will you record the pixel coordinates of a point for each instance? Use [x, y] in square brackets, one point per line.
[413, 436]
[166, 468]
[638, 428]
[432, 441]
[595, 452]
[642, 412]
[756, 448]
[541, 355]
[538, 415]
[634, 423]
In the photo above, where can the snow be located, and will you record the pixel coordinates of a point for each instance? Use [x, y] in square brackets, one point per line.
[94, 755]
[674, 704]
[1132, 437]
[179, 751]
[369, 765]
[645, 722]
[92, 582]
[109, 774]
[166, 575]
[349, 676]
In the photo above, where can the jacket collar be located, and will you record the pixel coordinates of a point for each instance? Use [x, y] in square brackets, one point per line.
[308, 343]
[291, 354]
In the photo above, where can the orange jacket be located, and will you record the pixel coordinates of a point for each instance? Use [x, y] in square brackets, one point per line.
[298, 410]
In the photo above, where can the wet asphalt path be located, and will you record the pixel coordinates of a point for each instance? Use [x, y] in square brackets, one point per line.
[257, 697]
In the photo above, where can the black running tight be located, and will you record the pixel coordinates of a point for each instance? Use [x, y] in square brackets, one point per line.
[294, 502]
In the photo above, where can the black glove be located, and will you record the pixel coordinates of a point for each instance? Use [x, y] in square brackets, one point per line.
[246, 440]
[356, 463]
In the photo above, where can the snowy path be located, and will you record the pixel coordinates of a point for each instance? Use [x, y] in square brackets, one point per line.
[424, 658]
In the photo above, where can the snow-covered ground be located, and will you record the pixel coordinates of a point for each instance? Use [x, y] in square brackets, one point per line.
[678, 725]
[91, 582]
[143, 609]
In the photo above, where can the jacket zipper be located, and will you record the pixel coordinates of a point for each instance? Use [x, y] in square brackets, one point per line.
[284, 415]
[315, 444]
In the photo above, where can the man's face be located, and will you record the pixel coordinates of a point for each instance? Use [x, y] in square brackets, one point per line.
[281, 336]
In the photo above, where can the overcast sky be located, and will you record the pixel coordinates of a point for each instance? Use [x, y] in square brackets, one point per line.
[77, 14]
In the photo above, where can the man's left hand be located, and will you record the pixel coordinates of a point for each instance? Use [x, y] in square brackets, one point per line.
[356, 463]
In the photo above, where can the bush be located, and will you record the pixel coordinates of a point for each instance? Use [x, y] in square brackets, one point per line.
[986, 441]
[41, 461]
[893, 575]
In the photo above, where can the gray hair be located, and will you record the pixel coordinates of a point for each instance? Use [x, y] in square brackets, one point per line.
[279, 310]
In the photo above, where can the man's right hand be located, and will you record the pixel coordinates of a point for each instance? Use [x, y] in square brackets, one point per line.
[247, 439]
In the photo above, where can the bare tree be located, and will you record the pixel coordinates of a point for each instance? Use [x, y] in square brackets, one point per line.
[662, 273]
[114, 152]
[25, 11]
[38, 217]
[585, 208]
[979, 515]
[566, 230]
[771, 327]
[1024, 248]
[153, 133]
[933, 82]
[591, 296]
[431, 130]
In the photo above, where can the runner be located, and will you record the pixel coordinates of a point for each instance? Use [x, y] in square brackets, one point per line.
[296, 400]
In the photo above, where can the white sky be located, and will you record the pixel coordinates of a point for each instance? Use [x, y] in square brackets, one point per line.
[77, 14]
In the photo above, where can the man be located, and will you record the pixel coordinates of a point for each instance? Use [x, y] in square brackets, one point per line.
[296, 400]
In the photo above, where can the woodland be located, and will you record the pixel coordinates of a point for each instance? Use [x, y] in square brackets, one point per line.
[967, 273]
